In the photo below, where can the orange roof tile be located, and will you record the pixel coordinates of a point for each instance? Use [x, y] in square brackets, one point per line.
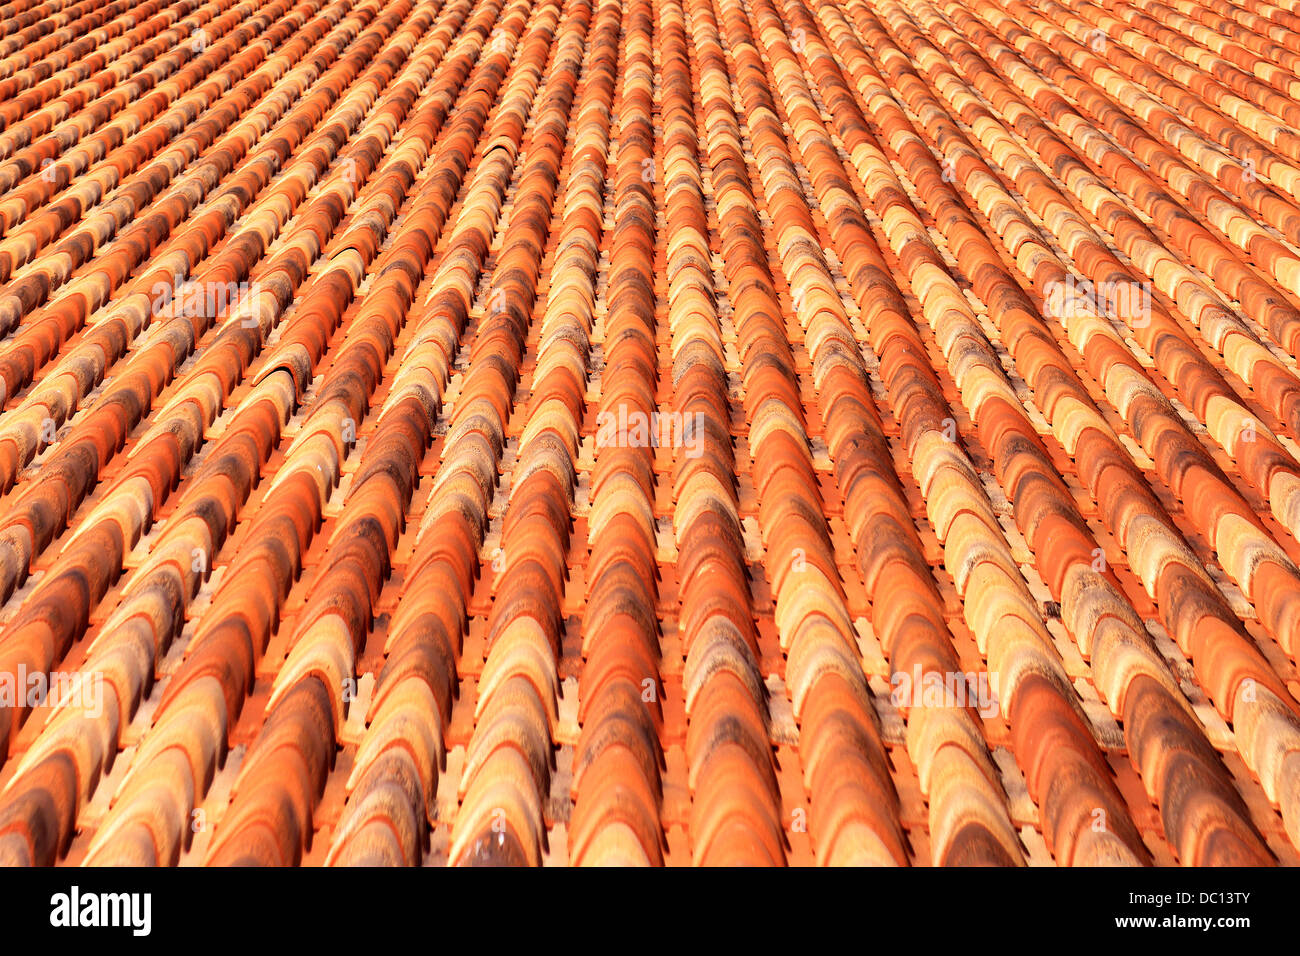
[652, 432]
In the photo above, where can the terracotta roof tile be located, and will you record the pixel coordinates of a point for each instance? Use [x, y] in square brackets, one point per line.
[652, 432]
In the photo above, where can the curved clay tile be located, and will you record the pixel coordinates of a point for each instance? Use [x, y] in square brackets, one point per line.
[650, 432]
[202, 502]
[71, 565]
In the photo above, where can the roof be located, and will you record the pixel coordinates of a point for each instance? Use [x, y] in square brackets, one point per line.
[569, 432]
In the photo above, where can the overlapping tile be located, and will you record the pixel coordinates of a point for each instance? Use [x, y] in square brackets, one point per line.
[649, 432]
